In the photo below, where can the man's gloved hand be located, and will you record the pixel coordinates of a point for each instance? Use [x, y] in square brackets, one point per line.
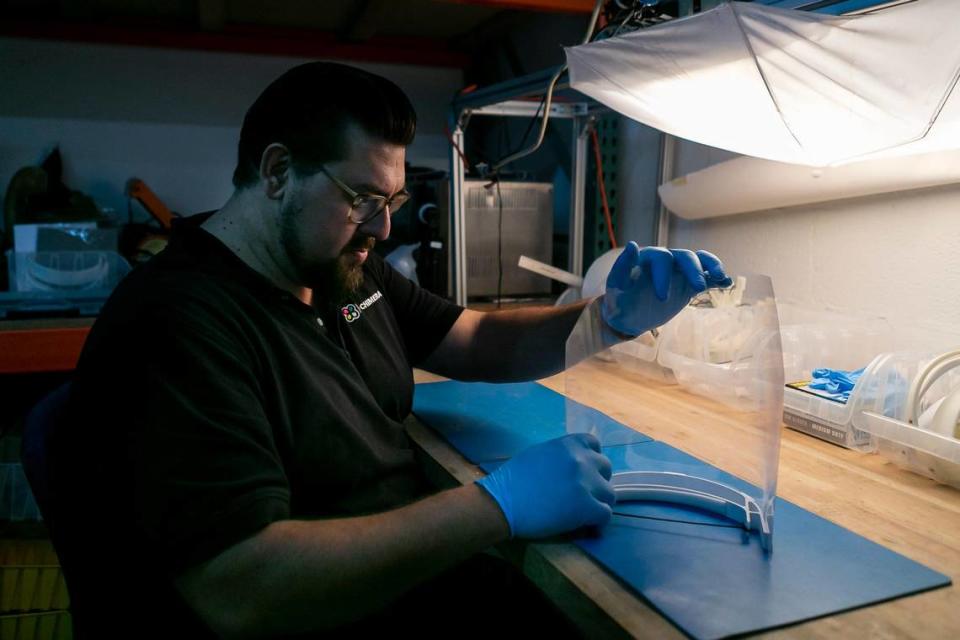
[554, 487]
[646, 287]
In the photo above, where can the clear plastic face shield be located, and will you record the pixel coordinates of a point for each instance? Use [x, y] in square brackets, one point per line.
[712, 408]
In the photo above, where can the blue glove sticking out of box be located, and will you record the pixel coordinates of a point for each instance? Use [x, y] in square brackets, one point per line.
[835, 383]
[646, 287]
[554, 487]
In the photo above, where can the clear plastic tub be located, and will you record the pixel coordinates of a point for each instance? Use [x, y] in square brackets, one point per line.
[640, 355]
[881, 410]
[65, 272]
[843, 343]
[715, 367]
[709, 350]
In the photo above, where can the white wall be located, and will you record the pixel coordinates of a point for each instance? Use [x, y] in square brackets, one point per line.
[169, 117]
[893, 256]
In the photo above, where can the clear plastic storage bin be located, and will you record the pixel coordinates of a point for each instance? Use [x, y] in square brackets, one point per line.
[640, 355]
[709, 351]
[882, 410]
[835, 342]
[716, 367]
[65, 272]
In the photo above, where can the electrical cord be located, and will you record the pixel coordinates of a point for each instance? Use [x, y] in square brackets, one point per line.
[632, 16]
[603, 188]
[526, 133]
[463, 157]
[623, 17]
[548, 98]
[495, 183]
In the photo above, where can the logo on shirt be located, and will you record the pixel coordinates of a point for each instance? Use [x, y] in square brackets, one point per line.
[352, 311]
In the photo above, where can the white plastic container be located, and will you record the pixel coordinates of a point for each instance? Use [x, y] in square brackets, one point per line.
[640, 355]
[709, 350]
[881, 411]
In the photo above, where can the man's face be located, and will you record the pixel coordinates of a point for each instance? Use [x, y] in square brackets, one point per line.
[326, 249]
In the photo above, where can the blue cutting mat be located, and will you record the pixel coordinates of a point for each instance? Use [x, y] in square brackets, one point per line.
[710, 579]
[487, 422]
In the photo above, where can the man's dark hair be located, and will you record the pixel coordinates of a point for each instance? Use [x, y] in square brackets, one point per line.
[309, 108]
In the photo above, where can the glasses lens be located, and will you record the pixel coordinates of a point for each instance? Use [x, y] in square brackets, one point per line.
[398, 201]
[367, 208]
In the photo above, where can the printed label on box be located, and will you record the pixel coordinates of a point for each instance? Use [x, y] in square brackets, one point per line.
[830, 433]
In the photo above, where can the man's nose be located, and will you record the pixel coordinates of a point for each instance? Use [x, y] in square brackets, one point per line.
[379, 227]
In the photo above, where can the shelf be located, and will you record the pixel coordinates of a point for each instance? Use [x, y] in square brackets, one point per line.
[39, 346]
[520, 98]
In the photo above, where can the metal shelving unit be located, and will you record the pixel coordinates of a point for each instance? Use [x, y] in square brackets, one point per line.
[520, 98]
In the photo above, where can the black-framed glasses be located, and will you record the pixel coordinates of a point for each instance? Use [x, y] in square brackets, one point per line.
[364, 207]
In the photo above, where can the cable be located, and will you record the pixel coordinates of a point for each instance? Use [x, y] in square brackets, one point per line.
[543, 125]
[602, 186]
[530, 124]
[463, 158]
[548, 98]
[626, 20]
[624, 17]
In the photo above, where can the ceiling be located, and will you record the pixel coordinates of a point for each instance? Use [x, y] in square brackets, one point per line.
[434, 32]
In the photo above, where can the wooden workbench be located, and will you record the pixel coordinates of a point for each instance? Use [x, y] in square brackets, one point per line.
[865, 493]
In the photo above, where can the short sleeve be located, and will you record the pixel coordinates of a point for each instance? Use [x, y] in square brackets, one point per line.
[424, 317]
[197, 444]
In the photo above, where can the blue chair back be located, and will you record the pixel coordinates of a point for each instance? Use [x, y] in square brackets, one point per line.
[39, 430]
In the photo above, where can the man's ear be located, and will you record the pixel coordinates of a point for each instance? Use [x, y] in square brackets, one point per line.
[275, 170]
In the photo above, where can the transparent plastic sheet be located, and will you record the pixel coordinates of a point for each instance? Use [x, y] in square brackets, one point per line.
[737, 436]
[640, 355]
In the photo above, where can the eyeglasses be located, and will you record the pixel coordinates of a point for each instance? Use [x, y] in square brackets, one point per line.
[364, 207]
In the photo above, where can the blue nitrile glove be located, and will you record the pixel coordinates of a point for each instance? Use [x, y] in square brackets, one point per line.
[835, 383]
[646, 287]
[554, 487]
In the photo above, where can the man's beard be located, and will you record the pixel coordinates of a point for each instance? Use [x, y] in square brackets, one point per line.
[334, 280]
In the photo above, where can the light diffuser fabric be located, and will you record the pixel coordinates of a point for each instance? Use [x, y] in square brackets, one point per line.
[787, 85]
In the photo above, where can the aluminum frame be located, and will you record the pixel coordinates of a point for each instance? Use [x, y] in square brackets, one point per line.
[502, 101]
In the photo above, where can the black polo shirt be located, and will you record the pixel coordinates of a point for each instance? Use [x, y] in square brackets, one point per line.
[208, 403]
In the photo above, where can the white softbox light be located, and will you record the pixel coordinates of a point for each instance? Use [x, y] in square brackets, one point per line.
[788, 85]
